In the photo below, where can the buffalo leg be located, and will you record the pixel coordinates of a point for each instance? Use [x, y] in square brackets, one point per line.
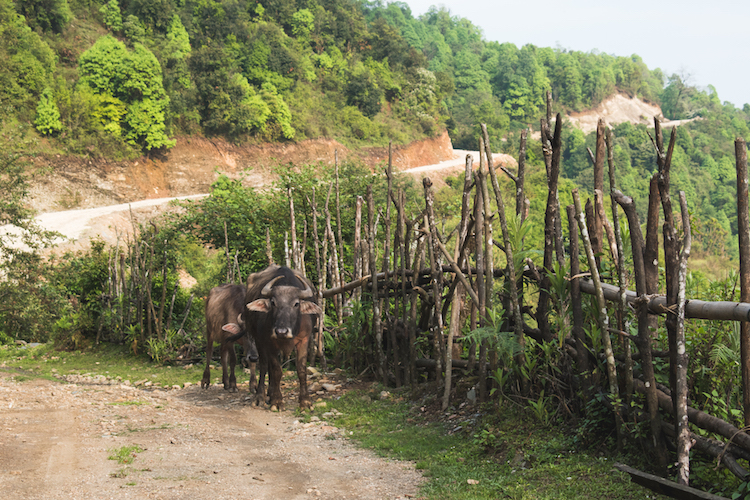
[232, 358]
[274, 382]
[206, 380]
[304, 396]
[252, 385]
[260, 389]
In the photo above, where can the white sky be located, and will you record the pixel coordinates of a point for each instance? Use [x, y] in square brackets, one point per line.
[707, 40]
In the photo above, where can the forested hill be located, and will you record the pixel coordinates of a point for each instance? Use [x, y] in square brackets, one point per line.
[118, 79]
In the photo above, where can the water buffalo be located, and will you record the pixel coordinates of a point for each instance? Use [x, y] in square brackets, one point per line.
[279, 309]
[224, 308]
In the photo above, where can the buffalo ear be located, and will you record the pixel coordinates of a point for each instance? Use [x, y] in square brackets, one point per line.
[232, 328]
[259, 305]
[307, 307]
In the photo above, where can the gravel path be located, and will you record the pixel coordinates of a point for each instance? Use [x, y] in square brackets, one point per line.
[56, 438]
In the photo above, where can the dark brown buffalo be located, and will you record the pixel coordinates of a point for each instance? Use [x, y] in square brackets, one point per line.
[280, 308]
[224, 307]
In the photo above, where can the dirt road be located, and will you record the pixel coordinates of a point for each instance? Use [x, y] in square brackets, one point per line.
[55, 440]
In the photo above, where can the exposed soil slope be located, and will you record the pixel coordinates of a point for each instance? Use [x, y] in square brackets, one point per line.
[620, 108]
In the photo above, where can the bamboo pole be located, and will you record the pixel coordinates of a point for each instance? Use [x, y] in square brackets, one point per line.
[318, 269]
[597, 230]
[436, 276]
[339, 223]
[357, 250]
[681, 370]
[455, 325]
[582, 352]
[620, 258]
[377, 325]
[511, 278]
[269, 252]
[412, 324]
[602, 317]
[480, 288]
[386, 265]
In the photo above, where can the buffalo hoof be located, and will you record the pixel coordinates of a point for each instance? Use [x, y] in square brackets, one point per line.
[305, 404]
[205, 385]
[274, 408]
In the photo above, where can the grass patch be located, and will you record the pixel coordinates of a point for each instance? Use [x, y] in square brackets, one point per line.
[515, 458]
[125, 455]
[112, 361]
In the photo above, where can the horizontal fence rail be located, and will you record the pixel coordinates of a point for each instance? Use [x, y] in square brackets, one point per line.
[696, 309]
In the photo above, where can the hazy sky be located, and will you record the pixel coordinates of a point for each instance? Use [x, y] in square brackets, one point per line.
[707, 40]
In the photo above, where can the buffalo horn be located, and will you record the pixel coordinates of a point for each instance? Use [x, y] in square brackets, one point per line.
[307, 292]
[267, 289]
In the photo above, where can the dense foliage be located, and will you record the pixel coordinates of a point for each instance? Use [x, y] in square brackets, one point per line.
[126, 76]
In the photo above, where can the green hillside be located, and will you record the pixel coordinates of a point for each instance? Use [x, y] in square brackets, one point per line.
[120, 79]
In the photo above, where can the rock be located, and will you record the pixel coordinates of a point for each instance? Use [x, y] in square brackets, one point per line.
[313, 372]
[320, 404]
[187, 384]
[140, 382]
[314, 387]
[175, 386]
[330, 387]
[384, 395]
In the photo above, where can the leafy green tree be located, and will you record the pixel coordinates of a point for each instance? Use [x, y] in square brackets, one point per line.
[112, 15]
[145, 125]
[48, 15]
[362, 92]
[28, 62]
[47, 115]
[303, 22]
[134, 78]
[134, 30]
[153, 13]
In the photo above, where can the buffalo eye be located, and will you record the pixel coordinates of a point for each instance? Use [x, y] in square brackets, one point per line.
[296, 304]
[273, 302]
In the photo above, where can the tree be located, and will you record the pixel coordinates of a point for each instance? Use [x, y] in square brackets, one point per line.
[112, 15]
[27, 61]
[25, 235]
[362, 91]
[49, 15]
[135, 79]
[47, 115]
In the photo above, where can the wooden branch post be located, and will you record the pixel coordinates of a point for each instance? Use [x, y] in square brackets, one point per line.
[602, 317]
[377, 325]
[436, 276]
[743, 223]
[511, 277]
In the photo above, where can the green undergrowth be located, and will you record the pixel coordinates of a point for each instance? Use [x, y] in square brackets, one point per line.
[496, 453]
